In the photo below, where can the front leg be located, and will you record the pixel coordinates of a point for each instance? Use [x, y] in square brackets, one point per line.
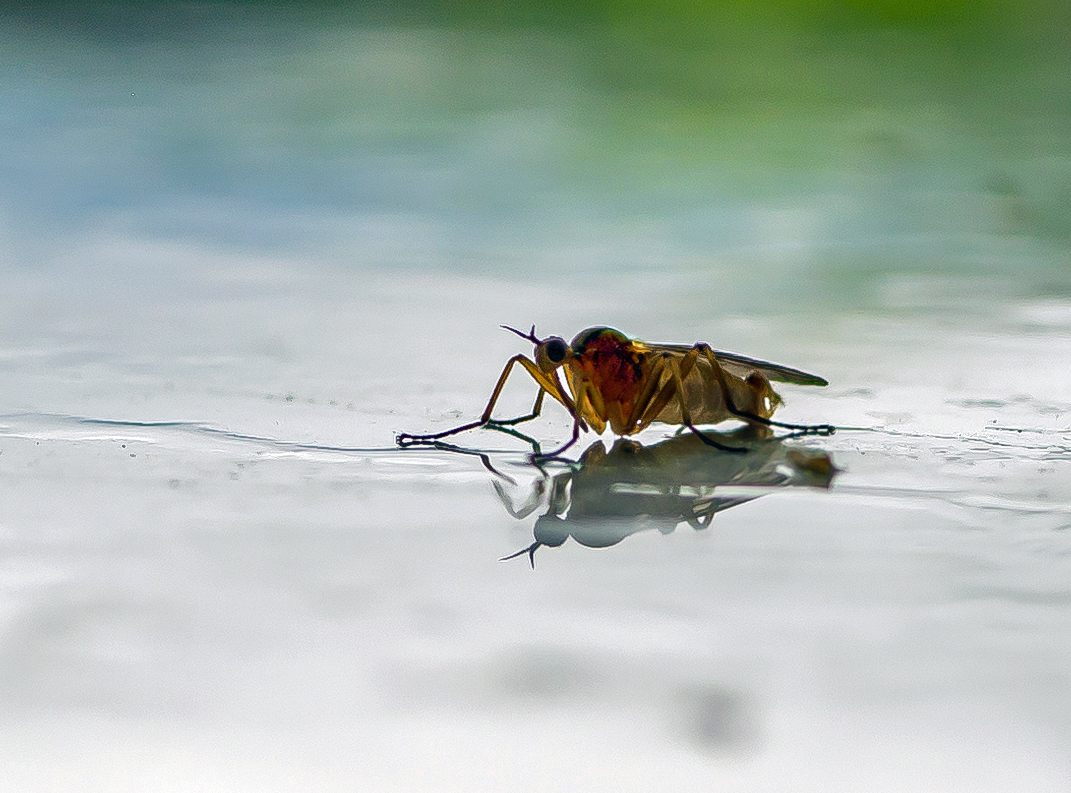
[546, 384]
[536, 409]
[579, 407]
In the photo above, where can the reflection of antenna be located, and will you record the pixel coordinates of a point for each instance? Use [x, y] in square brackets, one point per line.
[530, 335]
[530, 550]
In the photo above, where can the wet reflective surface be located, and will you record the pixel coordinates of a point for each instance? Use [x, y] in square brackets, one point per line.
[242, 249]
[605, 497]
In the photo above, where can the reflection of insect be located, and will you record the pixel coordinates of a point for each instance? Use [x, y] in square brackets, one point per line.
[607, 496]
[629, 384]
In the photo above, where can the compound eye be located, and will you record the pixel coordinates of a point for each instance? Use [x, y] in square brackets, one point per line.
[555, 349]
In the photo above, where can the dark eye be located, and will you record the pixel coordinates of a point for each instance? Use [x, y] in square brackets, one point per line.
[556, 350]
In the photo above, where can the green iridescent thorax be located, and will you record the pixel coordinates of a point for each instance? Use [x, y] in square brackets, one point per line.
[602, 338]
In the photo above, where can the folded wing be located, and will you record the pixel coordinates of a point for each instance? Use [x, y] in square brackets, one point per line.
[740, 365]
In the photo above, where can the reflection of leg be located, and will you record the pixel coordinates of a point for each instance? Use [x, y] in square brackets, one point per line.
[494, 471]
[528, 507]
[719, 374]
[686, 415]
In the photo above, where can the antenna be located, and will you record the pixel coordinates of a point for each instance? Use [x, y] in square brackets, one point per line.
[530, 335]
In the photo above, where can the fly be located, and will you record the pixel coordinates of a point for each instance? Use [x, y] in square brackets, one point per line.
[628, 385]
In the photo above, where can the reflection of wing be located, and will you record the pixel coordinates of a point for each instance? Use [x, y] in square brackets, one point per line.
[740, 365]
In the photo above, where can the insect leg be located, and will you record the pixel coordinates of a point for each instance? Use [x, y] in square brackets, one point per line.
[536, 408]
[719, 374]
[545, 456]
[642, 415]
[649, 406]
[546, 384]
[581, 398]
[686, 415]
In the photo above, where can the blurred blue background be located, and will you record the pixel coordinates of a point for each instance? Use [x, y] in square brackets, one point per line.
[826, 144]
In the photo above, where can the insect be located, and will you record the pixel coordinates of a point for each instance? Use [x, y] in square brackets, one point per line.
[628, 385]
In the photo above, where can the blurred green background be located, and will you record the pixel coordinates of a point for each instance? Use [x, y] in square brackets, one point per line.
[818, 146]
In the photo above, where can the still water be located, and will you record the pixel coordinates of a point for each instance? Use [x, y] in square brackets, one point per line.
[242, 248]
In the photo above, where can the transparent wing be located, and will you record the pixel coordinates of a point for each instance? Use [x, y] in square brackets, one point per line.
[741, 364]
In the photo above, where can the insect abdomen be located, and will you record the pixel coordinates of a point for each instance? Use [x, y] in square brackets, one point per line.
[706, 401]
